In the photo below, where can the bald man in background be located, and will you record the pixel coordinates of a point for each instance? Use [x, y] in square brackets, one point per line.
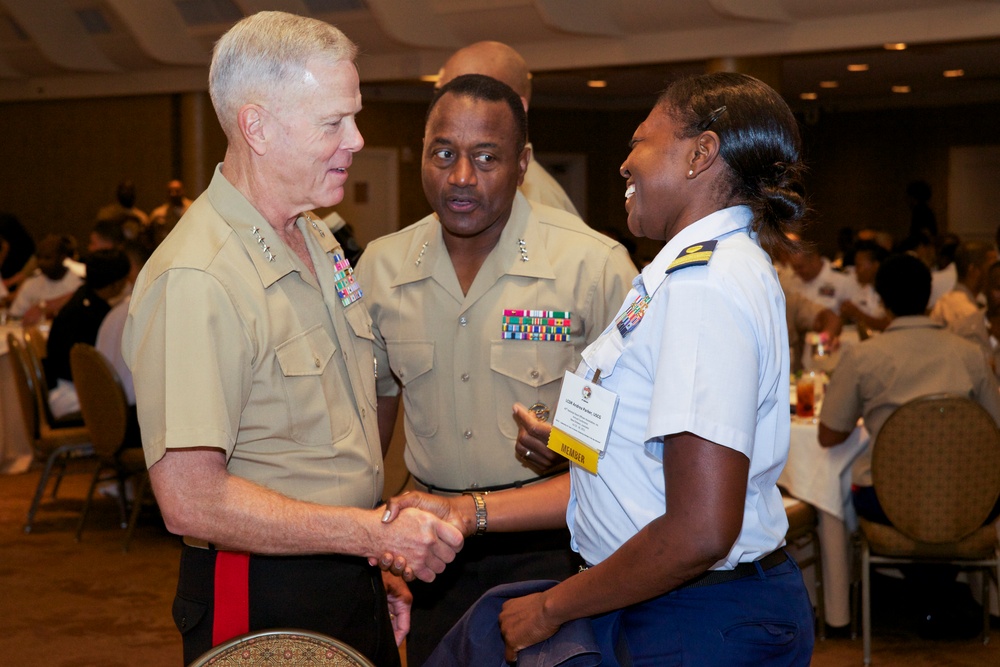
[503, 63]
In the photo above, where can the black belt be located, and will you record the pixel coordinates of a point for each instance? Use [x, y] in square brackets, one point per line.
[488, 489]
[741, 571]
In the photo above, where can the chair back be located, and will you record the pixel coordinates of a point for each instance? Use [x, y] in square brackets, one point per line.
[294, 647]
[102, 399]
[24, 380]
[34, 338]
[33, 342]
[936, 467]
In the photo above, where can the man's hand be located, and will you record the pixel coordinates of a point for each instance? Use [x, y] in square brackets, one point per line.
[523, 624]
[459, 511]
[425, 542]
[532, 442]
[400, 601]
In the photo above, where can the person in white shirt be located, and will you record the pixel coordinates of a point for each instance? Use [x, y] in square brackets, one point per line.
[817, 280]
[41, 295]
[865, 305]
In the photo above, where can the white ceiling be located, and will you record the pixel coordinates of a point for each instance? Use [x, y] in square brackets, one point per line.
[53, 49]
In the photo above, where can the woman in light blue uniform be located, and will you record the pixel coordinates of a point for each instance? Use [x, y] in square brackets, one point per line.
[683, 524]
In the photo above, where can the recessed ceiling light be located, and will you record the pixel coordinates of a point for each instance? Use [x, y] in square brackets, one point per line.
[895, 46]
[954, 73]
[829, 84]
[431, 78]
[808, 96]
[857, 67]
[900, 89]
[597, 83]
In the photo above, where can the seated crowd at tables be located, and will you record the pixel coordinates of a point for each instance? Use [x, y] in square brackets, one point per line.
[74, 296]
[925, 328]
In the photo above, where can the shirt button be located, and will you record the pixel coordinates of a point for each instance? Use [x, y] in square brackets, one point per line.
[465, 377]
[534, 375]
[364, 413]
[316, 361]
[378, 469]
[468, 434]
[463, 321]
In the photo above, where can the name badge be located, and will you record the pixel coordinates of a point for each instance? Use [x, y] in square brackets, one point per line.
[582, 423]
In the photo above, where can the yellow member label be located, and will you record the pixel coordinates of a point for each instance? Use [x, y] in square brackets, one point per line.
[574, 450]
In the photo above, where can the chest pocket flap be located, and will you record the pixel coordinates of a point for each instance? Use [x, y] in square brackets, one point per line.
[534, 364]
[305, 354]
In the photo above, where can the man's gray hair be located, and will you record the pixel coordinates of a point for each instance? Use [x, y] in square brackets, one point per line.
[262, 53]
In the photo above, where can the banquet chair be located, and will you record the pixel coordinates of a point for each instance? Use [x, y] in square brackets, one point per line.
[59, 446]
[803, 531]
[34, 347]
[289, 647]
[105, 413]
[936, 471]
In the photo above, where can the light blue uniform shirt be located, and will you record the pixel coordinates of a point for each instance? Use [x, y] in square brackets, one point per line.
[710, 357]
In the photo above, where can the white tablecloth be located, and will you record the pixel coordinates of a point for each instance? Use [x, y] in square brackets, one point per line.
[15, 444]
[822, 477]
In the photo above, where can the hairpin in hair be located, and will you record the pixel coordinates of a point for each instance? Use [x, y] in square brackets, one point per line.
[712, 117]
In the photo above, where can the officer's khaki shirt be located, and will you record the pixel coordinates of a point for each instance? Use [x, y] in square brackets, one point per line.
[458, 376]
[234, 350]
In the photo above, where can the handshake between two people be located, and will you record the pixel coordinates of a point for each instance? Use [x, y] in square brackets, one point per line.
[450, 528]
[457, 515]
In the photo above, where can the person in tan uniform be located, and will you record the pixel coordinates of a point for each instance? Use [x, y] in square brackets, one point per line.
[484, 304]
[251, 352]
[503, 63]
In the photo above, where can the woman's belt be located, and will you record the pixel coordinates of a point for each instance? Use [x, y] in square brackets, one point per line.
[741, 571]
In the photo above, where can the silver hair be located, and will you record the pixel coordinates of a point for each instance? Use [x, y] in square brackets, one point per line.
[263, 53]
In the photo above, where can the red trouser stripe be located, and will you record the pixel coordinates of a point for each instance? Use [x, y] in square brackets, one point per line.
[232, 596]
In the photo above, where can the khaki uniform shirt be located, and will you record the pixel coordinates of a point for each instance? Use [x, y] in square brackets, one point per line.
[913, 357]
[459, 376]
[234, 350]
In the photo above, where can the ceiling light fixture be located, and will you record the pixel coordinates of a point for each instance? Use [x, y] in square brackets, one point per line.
[900, 89]
[430, 78]
[597, 83]
[954, 73]
[857, 67]
[895, 46]
[808, 96]
[829, 84]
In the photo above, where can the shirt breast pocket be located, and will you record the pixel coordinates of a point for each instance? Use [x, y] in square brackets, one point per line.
[412, 363]
[304, 360]
[527, 373]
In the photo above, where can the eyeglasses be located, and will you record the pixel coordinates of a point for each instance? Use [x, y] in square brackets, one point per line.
[712, 117]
